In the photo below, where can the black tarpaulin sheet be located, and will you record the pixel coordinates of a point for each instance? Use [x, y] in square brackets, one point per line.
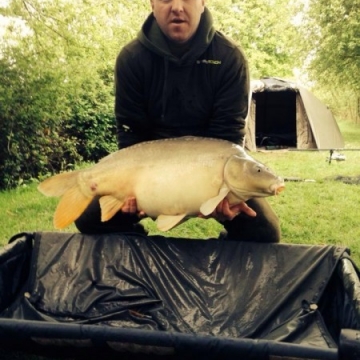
[181, 294]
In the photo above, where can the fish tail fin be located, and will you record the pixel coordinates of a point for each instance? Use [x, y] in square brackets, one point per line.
[72, 204]
[58, 185]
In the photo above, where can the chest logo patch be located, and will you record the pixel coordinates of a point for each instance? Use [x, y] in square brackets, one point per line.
[209, 62]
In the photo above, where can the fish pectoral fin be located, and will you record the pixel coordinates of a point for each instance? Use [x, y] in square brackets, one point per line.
[72, 204]
[109, 205]
[210, 205]
[166, 222]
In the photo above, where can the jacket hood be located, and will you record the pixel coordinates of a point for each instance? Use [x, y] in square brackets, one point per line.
[152, 38]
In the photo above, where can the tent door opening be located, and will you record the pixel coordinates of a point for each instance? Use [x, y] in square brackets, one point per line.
[275, 118]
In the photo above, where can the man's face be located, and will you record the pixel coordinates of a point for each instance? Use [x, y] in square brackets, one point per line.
[178, 19]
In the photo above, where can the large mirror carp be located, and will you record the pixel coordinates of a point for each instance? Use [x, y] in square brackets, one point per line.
[171, 179]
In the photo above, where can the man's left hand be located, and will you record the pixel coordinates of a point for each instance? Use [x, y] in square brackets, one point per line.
[224, 211]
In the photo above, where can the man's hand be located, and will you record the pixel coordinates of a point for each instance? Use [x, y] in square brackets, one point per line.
[226, 212]
[130, 207]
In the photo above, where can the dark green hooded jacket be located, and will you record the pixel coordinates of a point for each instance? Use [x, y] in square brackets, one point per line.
[202, 93]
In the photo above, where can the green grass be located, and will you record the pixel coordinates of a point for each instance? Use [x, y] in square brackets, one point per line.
[320, 211]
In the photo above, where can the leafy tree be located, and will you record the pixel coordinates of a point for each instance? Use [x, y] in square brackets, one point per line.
[57, 100]
[333, 29]
[29, 144]
[56, 64]
[331, 32]
[265, 31]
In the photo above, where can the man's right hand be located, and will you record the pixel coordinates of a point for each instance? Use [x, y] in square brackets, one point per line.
[224, 211]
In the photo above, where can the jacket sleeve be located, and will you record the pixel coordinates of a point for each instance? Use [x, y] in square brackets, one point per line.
[231, 99]
[131, 118]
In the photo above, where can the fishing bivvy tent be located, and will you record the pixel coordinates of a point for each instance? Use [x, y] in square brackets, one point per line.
[283, 114]
[129, 296]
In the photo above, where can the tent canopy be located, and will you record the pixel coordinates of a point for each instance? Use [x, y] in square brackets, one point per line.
[284, 114]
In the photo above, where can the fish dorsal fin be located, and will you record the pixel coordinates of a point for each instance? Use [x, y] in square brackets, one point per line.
[210, 205]
[72, 204]
[110, 205]
[166, 222]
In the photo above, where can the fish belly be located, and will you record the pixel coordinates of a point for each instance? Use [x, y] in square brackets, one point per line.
[174, 190]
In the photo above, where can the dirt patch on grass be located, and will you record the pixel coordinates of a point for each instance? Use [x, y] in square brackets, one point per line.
[353, 180]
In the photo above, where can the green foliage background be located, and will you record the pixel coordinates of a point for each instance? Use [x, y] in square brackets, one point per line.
[330, 32]
[57, 59]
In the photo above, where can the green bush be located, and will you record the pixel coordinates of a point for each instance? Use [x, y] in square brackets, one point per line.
[92, 122]
[29, 143]
[44, 131]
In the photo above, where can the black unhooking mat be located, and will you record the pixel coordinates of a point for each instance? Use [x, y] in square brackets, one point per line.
[156, 297]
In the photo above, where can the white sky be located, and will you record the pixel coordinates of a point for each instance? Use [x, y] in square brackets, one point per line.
[4, 3]
[3, 20]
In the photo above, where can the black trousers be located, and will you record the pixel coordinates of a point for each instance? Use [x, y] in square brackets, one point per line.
[262, 228]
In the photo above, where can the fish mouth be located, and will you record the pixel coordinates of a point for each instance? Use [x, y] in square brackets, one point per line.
[277, 189]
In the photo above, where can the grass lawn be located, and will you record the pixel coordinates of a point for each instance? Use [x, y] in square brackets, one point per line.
[316, 209]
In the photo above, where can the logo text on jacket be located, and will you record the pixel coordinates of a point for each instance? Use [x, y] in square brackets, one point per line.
[209, 62]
